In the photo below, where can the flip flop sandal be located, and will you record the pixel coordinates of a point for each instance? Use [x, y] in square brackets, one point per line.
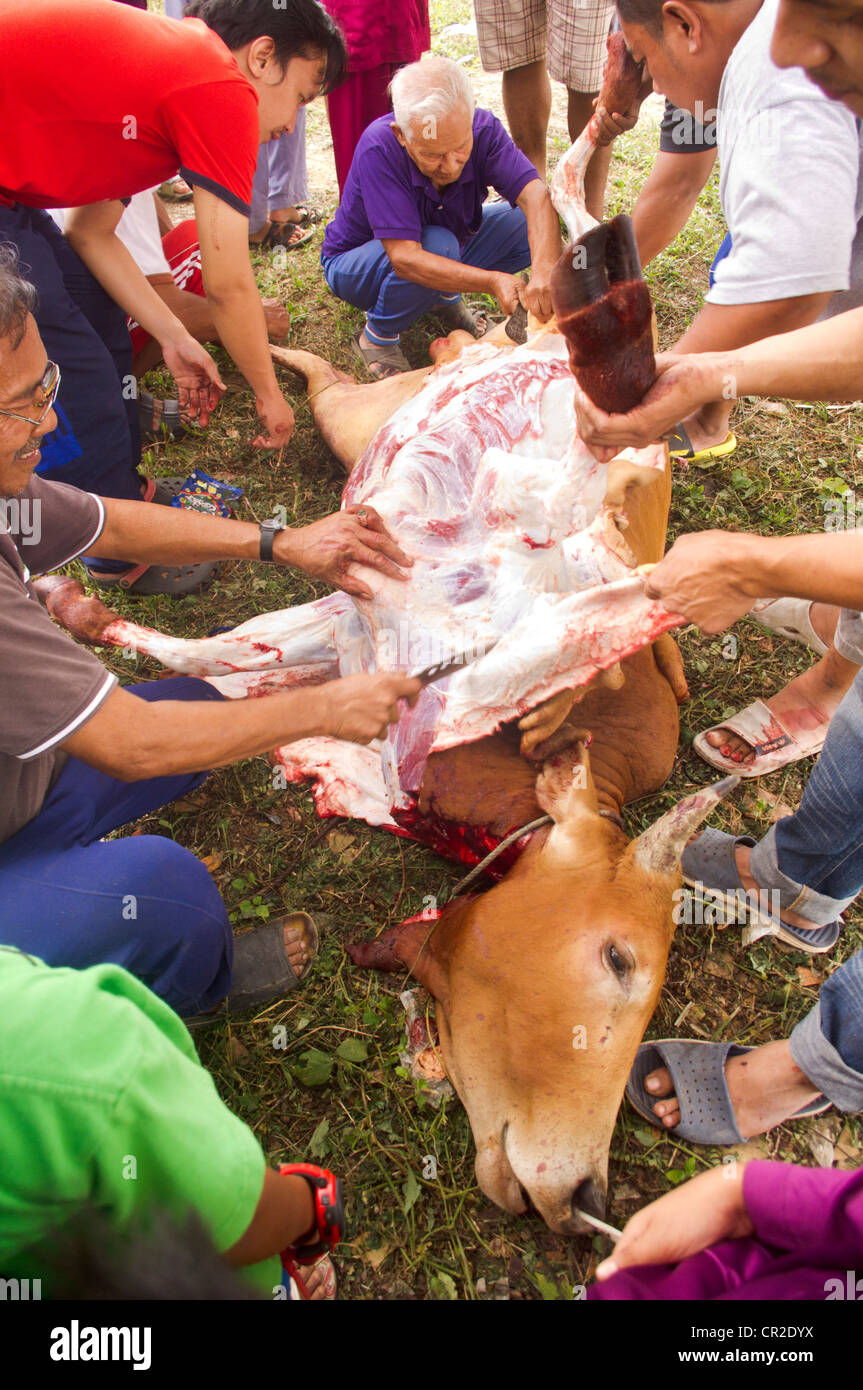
[698, 1077]
[680, 447]
[791, 617]
[768, 739]
[286, 234]
[709, 866]
[459, 315]
[295, 1268]
[310, 216]
[164, 423]
[382, 362]
[262, 970]
[177, 581]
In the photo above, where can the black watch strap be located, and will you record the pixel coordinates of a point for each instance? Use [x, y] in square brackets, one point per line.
[269, 531]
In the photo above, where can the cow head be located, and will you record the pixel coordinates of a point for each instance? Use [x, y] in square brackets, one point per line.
[545, 985]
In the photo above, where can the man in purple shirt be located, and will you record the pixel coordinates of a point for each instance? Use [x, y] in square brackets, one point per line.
[412, 232]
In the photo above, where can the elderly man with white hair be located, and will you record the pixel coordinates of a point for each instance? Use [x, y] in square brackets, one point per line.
[413, 231]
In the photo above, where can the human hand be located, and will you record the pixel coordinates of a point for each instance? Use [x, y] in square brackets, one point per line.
[278, 421]
[537, 293]
[328, 548]
[199, 385]
[361, 708]
[683, 383]
[609, 124]
[698, 1213]
[702, 577]
[508, 290]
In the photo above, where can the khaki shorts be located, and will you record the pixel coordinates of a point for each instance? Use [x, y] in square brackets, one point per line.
[571, 33]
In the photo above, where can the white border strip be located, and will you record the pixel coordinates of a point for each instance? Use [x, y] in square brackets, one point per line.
[106, 686]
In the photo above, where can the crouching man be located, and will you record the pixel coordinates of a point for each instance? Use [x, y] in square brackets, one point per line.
[80, 757]
[412, 232]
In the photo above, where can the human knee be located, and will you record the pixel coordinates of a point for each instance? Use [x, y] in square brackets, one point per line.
[441, 242]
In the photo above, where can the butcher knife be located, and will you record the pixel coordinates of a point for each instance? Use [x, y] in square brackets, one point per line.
[428, 675]
[515, 327]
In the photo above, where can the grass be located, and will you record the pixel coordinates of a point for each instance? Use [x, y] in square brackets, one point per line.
[336, 1091]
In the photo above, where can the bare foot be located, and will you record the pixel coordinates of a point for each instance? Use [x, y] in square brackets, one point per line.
[277, 318]
[742, 856]
[297, 948]
[805, 705]
[286, 215]
[766, 1087]
[708, 427]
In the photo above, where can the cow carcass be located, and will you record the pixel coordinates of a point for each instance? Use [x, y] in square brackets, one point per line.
[525, 553]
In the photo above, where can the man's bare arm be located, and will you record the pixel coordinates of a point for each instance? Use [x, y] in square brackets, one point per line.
[543, 235]
[713, 577]
[132, 739]
[665, 203]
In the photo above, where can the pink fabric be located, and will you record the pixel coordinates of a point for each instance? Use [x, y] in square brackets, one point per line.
[382, 31]
[352, 107]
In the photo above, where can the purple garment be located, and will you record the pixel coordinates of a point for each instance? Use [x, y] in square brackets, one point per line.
[808, 1230]
[386, 195]
[381, 31]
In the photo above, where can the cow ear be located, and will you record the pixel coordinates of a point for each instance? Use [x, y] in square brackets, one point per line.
[661, 846]
[408, 947]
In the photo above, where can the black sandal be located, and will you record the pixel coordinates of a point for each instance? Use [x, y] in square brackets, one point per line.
[262, 969]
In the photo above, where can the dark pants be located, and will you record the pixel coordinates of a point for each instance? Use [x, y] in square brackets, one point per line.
[142, 902]
[97, 445]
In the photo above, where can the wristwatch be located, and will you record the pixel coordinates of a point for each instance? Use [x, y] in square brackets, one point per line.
[329, 1222]
[269, 531]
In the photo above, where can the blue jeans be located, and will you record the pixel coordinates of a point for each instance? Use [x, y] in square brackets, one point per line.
[815, 861]
[365, 278]
[142, 902]
[280, 175]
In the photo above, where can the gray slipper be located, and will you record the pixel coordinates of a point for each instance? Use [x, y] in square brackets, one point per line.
[262, 970]
[697, 1072]
[382, 362]
[708, 864]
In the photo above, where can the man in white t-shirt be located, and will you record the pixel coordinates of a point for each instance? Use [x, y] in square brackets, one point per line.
[790, 190]
[790, 184]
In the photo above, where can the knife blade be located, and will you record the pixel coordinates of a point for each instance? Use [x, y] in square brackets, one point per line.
[428, 675]
[515, 327]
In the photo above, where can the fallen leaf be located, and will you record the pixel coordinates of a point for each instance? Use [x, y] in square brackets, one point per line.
[352, 1050]
[411, 1191]
[442, 1286]
[235, 1050]
[821, 1150]
[848, 1151]
[211, 862]
[317, 1145]
[810, 979]
[773, 407]
[313, 1067]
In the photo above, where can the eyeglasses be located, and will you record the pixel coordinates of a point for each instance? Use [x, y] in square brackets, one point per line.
[49, 386]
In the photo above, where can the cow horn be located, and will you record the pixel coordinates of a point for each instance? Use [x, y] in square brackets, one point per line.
[662, 844]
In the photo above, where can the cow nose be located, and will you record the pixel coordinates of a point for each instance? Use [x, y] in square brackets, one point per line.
[589, 1197]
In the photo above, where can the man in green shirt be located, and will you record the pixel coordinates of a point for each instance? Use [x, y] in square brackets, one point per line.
[105, 1106]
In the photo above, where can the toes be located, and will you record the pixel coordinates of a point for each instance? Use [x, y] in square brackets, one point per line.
[659, 1082]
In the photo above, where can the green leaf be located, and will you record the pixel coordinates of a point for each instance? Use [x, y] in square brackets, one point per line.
[676, 1175]
[313, 1067]
[411, 1190]
[318, 1145]
[548, 1289]
[443, 1286]
[645, 1137]
[352, 1050]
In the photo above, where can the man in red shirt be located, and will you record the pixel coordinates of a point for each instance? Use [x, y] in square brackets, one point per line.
[99, 101]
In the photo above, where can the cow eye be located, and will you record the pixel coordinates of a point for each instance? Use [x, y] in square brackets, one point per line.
[618, 962]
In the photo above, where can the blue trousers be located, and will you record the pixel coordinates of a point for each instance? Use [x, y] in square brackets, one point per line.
[280, 175]
[97, 445]
[365, 278]
[815, 861]
[142, 902]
